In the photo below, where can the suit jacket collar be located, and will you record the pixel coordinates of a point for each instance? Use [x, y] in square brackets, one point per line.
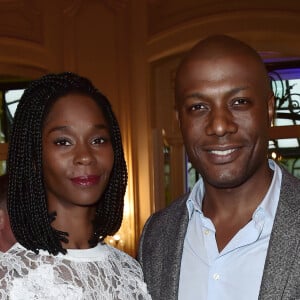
[161, 261]
[283, 246]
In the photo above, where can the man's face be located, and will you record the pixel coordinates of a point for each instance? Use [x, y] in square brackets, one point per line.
[225, 111]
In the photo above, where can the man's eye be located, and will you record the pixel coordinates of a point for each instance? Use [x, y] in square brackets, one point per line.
[197, 107]
[240, 101]
[62, 142]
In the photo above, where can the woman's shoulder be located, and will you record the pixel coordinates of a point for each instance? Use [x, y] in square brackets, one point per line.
[125, 261]
[14, 258]
[121, 255]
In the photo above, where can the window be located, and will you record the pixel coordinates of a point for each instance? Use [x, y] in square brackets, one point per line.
[10, 94]
[286, 87]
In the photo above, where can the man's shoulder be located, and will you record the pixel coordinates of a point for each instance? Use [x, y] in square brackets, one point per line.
[288, 177]
[290, 189]
[176, 207]
[172, 214]
[165, 229]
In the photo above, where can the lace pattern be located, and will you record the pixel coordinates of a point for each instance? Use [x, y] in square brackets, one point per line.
[105, 273]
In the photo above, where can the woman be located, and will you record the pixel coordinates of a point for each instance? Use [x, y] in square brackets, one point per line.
[67, 182]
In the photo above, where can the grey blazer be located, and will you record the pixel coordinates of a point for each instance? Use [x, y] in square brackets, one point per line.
[161, 247]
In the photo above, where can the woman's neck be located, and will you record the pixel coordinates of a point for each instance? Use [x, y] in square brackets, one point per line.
[78, 223]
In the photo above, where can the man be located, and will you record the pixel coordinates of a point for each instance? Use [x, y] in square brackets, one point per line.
[7, 238]
[236, 235]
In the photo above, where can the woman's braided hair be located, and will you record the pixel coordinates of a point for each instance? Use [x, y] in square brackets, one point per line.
[27, 203]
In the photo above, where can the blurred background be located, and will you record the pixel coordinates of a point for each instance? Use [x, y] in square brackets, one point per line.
[130, 50]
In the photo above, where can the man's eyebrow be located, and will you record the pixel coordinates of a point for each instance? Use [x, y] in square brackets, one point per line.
[196, 95]
[237, 90]
[233, 91]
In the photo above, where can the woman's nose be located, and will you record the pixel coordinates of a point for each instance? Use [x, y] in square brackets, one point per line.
[83, 155]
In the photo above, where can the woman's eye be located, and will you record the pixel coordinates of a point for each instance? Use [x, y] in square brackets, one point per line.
[99, 140]
[62, 142]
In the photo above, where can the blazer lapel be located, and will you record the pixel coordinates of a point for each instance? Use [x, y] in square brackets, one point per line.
[174, 248]
[284, 241]
[161, 247]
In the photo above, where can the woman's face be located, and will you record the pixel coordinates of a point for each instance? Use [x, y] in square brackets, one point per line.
[77, 153]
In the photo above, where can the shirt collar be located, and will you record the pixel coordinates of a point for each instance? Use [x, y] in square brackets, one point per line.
[266, 208]
[270, 201]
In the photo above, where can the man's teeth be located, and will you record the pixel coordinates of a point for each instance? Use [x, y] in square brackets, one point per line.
[222, 152]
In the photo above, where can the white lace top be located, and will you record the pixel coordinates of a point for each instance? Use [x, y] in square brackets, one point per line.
[98, 273]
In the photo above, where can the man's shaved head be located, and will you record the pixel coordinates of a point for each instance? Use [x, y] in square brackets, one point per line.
[224, 100]
[218, 47]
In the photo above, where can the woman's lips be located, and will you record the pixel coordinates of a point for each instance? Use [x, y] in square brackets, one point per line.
[87, 180]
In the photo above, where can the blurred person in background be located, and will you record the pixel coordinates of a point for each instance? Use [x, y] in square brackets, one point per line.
[7, 238]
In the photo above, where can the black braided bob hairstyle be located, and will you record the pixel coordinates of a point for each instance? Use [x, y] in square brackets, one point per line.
[27, 203]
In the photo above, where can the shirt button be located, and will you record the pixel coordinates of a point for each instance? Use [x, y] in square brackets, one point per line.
[216, 276]
[206, 231]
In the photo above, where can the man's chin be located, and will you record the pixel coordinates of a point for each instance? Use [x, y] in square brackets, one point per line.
[225, 181]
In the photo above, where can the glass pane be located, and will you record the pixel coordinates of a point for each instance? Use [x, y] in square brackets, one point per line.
[167, 174]
[12, 98]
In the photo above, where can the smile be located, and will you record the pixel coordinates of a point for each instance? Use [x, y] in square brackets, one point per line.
[222, 152]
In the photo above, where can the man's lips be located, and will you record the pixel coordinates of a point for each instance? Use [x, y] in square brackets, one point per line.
[223, 152]
[86, 180]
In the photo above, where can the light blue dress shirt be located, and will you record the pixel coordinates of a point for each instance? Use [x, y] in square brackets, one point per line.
[235, 273]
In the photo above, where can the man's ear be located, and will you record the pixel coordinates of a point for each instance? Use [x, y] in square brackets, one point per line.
[177, 117]
[3, 218]
[271, 108]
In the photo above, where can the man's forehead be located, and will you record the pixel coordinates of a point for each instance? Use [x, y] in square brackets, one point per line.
[220, 67]
[222, 74]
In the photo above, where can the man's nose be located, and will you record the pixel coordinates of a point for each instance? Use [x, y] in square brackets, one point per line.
[220, 122]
